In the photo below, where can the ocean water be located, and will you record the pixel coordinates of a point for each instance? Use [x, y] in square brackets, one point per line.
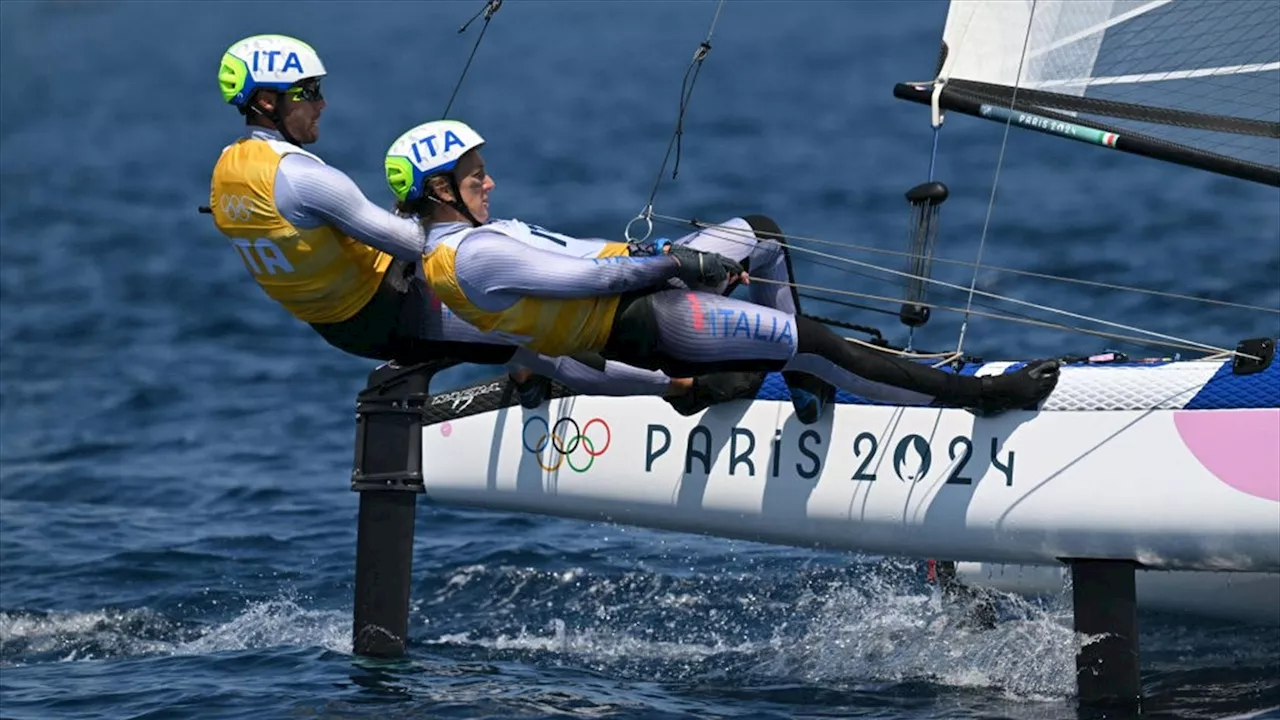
[176, 527]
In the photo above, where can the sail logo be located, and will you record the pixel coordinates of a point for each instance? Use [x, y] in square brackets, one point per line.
[565, 442]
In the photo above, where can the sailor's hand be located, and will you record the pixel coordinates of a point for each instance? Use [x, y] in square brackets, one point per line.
[705, 268]
[646, 248]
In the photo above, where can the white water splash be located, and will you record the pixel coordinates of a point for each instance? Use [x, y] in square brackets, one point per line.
[601, 645]
[879, 627]
[878, 631]
[275, 623]
[105, 634]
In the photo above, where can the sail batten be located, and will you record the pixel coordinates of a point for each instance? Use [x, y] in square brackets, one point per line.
[1158, 77]
[1100, 27]
[1201, 75]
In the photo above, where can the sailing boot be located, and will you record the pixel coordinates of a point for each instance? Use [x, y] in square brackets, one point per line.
[810, 395]
[532, 392]
[715, 388]
[1021, 390]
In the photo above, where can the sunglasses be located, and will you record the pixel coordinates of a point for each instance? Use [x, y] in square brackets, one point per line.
[305, 93]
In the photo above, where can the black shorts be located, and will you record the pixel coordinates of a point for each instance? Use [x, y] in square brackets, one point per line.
[388, 327]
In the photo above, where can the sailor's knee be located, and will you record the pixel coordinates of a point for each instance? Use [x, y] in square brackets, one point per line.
[765, 228]
[765, 253]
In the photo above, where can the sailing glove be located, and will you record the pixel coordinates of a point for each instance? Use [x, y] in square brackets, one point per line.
[703, 269]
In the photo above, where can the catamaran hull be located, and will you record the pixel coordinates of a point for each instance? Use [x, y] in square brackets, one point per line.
[1175, 466]
[1252, 598]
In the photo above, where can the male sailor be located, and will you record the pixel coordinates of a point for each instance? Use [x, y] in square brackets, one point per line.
[350, 269]
[505, 277]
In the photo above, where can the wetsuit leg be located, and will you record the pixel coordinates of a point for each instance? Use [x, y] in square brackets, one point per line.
[758, 244]
[752, 242]
[687, 332]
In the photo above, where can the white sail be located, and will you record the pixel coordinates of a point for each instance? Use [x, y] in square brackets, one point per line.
[1214, 58]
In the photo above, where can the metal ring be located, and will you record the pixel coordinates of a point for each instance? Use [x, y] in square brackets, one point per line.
[648, 226]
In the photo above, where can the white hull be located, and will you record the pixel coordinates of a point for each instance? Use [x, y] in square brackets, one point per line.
[1170, 488]
[1252, 598]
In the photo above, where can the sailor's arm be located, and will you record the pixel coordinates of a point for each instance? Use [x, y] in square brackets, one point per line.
[490, 262]
[309, 193]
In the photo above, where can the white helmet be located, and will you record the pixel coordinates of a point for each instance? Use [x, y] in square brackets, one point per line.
[426, 150]
[277, 62]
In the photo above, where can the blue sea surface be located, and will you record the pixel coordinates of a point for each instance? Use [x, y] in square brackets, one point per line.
[177, 530]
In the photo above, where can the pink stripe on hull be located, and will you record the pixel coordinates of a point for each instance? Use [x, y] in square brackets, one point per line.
[1240, 447]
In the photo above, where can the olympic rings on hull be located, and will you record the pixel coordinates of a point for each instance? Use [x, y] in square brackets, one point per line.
[562, 444]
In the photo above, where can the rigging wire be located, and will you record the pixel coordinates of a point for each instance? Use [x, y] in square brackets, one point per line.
[1025, 303]
[1182, 342]
[1005, 315]
[686, 94]
[793, 239]
[1004, 141]
[490, 7]
[1010, 315]
[1167, 340]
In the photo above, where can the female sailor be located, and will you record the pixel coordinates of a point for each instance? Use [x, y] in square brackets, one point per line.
[559, 297]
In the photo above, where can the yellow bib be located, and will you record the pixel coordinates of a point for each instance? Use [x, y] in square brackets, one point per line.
[550, 326]
[318, 275]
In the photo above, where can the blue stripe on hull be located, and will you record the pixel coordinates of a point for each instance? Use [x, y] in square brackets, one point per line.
[1226, 390]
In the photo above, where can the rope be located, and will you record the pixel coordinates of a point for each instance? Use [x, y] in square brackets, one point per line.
[901, 353]
[855, 306]
[490, 7]
[686, 94]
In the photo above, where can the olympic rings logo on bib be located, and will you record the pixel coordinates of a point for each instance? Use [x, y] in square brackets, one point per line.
[237, 208]
[576, 445]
